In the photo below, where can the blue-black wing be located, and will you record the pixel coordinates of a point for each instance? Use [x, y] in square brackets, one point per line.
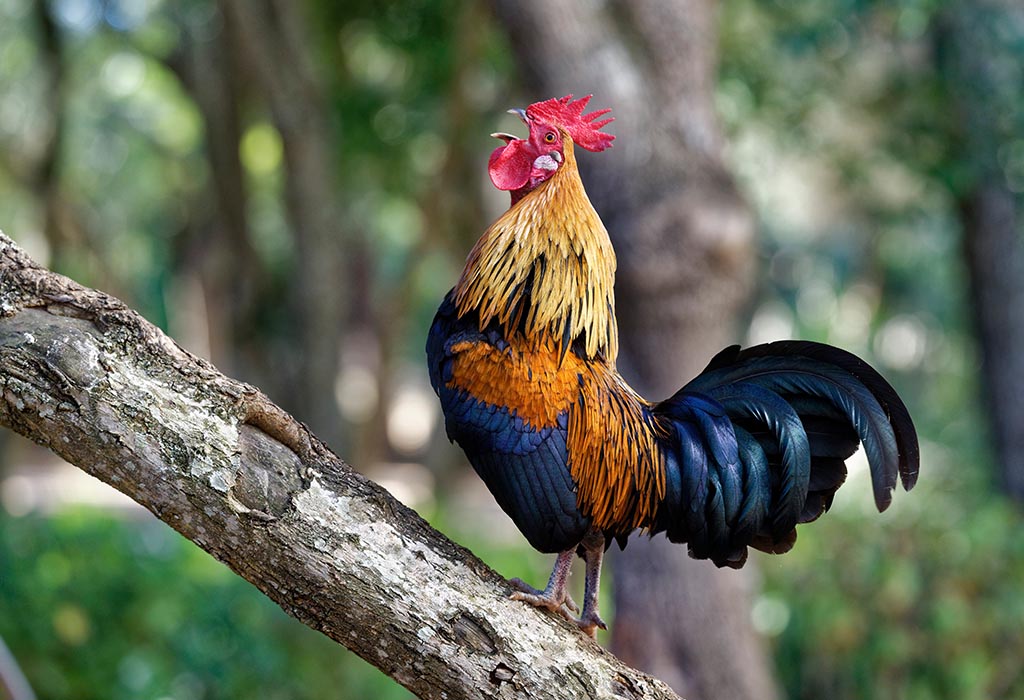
[524, 466]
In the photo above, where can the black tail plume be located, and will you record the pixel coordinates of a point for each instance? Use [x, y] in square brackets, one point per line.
[758, 443]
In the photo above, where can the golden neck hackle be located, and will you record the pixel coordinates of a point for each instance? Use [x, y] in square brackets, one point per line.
[545, 270]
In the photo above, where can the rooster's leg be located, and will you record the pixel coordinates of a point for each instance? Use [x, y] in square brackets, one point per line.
[593, 554]
[555, 597]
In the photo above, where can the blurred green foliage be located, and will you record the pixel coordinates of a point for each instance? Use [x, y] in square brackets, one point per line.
[101, 606]
[930, 609]
[841, 133]
[856, 100]
[96, 606]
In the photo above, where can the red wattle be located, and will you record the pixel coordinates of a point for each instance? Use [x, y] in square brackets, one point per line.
[510, 165]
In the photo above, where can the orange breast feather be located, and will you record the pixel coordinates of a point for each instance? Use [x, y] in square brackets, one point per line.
[531, 383]
[614, 456]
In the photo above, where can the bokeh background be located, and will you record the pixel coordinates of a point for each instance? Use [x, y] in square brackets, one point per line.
[289, 189]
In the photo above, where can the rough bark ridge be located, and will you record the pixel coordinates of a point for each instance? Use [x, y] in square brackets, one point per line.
[88, 378]
[684, 238]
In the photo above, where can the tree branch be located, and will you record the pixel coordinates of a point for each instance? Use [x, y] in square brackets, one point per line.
[91, 380]
[12, 681]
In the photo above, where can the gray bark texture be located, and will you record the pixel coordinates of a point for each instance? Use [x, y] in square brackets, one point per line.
[684, 238]
[13, 684]
[91, 380]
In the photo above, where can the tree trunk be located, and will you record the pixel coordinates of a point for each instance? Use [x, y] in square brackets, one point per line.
[276, 42]
[986, 83]
[684, 239]
[219, 248]
[994, 249]
[91, 380]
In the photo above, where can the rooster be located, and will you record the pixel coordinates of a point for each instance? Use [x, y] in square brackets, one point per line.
[522, 356]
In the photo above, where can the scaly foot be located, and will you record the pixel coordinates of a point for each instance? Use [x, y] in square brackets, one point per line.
[557, 601]
[555, 596]
[593, 553]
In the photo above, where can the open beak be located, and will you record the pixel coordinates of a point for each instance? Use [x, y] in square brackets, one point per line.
[521, 113]
[509, 138]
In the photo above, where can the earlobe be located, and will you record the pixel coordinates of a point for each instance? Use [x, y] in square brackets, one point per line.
[510, 166]
[547, 162]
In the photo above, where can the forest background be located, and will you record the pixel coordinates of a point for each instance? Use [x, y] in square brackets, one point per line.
[290, 189]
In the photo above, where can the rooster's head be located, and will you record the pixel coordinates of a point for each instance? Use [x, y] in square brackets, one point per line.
[522, 164]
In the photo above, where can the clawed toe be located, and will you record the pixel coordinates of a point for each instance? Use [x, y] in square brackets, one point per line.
[563, 605]
[523, 586]
[555, 597]
[590, 623]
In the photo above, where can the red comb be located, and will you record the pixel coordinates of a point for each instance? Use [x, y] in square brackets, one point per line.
[568, 114]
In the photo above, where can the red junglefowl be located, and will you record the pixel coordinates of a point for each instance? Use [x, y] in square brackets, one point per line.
[522, 355]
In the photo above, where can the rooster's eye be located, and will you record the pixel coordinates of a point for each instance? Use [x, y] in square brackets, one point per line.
[549, 137]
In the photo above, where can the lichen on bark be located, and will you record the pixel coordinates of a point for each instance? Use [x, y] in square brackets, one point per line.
[90, 379]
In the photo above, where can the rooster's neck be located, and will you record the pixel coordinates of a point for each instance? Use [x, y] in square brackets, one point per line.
[545, 270]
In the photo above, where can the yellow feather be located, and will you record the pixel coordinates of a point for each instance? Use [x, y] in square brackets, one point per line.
[554, 239]
[571, 291]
